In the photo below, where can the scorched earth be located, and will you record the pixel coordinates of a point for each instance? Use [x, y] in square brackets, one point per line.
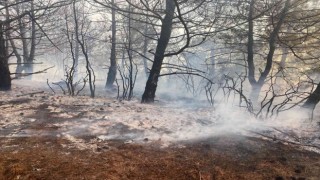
[50, 136]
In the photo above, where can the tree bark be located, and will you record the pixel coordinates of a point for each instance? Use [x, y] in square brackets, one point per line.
[313, 99]
[129, 50]
[23, 32]
[113, 61]
[257, 84]
[251, 68]
[5, 79]
[76, 61]
[81, 41]
[30, 56]
[213, 63]
[145, 49]
[19, 67]
[166, 28]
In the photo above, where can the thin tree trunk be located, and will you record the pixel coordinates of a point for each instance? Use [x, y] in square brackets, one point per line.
[23, 32]
[81, 41]
[76, 60]
[19, 67]
[251, 68]
[213, 63]
[257, 85]
[30, 56]
[145, 49]
[166, 28]
[272, 43]
[129, 50]
[113, 62]
[5, 79]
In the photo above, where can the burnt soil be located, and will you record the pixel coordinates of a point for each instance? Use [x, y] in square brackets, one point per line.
[230, 156]
[224, 157]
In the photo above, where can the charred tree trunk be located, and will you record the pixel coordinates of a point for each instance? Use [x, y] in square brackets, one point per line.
[75, 50]
[129, 50]
[30, 56]
[313, 99]
[113, 62]
[166, 28]
[76, 61]
[81, 40]
[213, 63]
[145, 49]
[251, 68]
[5, 79]
[23, 33]
[257, 84]
[19, 67]
[272, 43]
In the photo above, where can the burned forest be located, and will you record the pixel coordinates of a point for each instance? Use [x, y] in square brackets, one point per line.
[160, 89]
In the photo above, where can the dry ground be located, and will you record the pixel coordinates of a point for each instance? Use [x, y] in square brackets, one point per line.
[45, 152]
[225, 157]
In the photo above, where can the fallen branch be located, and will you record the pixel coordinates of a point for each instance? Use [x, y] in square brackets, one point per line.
[287, 134]
[27, 94]
[274, 138]
[28, 74]
[50, 86]
[23, 63]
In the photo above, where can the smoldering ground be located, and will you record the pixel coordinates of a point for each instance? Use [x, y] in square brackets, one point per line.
[169, 120]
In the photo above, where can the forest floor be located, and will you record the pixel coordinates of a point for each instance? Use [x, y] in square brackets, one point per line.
[46, 136]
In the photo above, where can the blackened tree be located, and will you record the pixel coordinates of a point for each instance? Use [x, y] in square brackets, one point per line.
[257, 84]
[5, 79]
[166, 28]
[313, 99]
[112, 73]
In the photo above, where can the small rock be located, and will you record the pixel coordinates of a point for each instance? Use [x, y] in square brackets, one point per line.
[21, 114]
[145, 139]
[101, 109]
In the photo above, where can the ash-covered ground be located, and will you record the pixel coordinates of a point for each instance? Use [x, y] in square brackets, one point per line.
[34, 118]
[35, 111]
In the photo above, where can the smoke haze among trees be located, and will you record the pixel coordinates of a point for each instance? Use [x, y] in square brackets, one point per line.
[264, 55]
